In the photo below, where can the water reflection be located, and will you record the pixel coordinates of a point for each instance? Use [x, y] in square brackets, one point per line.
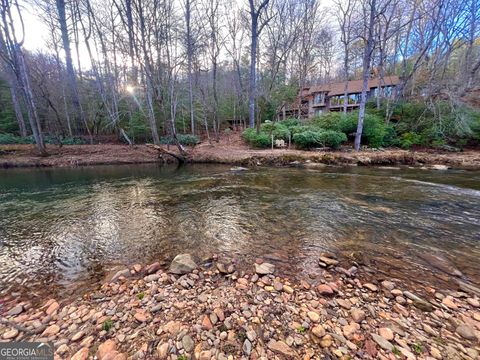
[69, 226]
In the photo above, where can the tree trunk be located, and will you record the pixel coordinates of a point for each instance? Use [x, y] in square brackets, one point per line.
[366, 74]
[16, 106]
[30, 102]
[188, 13]
[253, 66]
[79, 119]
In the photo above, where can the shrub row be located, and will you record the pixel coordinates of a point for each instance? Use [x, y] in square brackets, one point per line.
[413, 123]
[8, 139]
[184, 139]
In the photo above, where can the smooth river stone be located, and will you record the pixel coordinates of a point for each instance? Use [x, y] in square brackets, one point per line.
[264, 268]
[182, 264]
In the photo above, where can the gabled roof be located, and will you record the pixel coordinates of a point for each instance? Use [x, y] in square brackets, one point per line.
[354, 86]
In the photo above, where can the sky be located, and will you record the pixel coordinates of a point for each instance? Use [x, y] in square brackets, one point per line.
[36, 32]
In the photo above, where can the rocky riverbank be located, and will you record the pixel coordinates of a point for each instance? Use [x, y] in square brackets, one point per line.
[234, 153]
[214, 311]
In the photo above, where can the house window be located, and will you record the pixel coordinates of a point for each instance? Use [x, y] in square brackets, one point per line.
[336, 100]
[353, 98]
[319, 98]
[387, 91]
[318, 112]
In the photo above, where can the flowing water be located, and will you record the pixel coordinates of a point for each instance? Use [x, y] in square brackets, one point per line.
[64, 229]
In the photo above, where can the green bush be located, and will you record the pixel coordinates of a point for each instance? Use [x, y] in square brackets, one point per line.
[436, 122]
[6, 139]
[299, 129]
[260, 140]
[307, 139]
[290, 123]
[374, 128]
[374, 131]
[332, 138]
[184, 139]
[321, 138]
[277, 129]
[407, 140]
[329, 121]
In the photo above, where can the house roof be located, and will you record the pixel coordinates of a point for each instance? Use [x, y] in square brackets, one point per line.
[354, 86]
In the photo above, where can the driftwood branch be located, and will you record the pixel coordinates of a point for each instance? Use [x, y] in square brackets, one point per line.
[181, 159]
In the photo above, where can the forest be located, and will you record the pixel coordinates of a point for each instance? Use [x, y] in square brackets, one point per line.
[181, 71]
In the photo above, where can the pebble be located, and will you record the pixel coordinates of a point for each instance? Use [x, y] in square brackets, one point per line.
[281, 348]
[121, 273]
[206, 323]
[251, 335]
[16, 310]
[264, 268]
[78, 336]
[344, 304]
[188, 343]
[466, 332]
[388, 285]
[328, 261]
[162, 350]
[315, 317]
[62, 349]
[436, 353]
[10, 334]
[52, 330]
[370, 287]
[350, 329]
[326, 341]
[324, 289]
[448, 301]
[318, 331]
[382, 342]
[81, 354]
[357, 315]
[105, 348]
[141, 316]
[386, 333]
[52, 308]
[247, 347]
[473, 302]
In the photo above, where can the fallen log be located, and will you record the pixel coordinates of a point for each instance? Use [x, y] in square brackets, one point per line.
[180, 158]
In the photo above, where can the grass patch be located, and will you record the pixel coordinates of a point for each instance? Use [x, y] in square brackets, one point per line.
[107, 325]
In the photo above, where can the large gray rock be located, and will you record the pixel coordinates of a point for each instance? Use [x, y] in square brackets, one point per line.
[182, 264]
[466, 332]
[384, 343]
[419, 303]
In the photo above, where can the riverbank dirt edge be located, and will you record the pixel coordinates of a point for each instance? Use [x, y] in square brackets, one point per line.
[12, 156]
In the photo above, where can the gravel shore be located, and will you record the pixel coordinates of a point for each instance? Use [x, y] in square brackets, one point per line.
[214, 311]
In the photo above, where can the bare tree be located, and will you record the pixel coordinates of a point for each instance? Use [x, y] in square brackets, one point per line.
[12, 53]
[189, 45]
[257, 23]
[369, 9]
[345, 11]
[62, 21]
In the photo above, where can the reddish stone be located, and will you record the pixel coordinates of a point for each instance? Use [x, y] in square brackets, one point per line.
[324, 289]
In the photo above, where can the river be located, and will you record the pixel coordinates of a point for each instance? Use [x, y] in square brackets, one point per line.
[62, 230]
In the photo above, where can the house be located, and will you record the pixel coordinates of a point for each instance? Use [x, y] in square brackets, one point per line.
[315, 100]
